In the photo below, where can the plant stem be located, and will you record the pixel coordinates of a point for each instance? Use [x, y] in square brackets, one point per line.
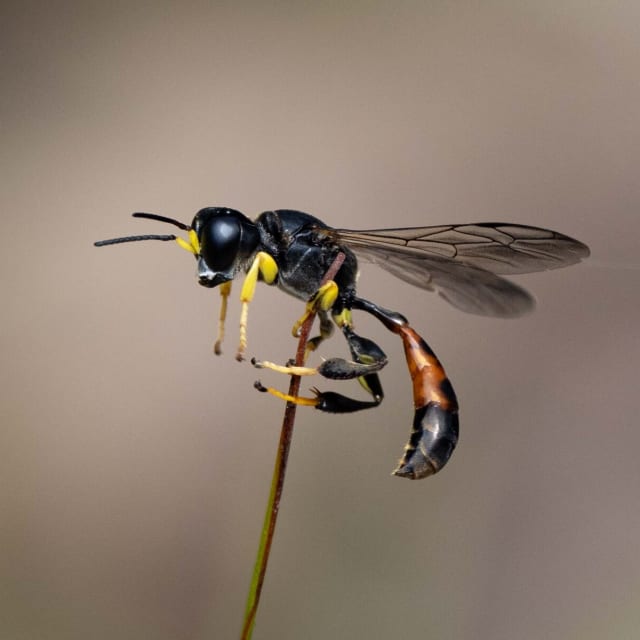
[277, 482]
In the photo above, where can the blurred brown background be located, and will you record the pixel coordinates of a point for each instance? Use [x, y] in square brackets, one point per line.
[135, 464]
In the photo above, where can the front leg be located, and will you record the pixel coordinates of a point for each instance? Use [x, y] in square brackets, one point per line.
[263, 265]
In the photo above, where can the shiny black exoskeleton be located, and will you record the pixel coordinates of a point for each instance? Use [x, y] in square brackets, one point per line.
[229, 240]
[293, 250]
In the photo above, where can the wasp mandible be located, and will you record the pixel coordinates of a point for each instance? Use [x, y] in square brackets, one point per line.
[292, 250]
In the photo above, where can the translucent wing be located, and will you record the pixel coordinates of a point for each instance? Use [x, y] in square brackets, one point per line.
[464, 262]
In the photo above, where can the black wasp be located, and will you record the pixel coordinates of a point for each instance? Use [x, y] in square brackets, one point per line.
[464, 263]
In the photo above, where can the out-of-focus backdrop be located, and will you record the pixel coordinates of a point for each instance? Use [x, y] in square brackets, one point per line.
[136, 464]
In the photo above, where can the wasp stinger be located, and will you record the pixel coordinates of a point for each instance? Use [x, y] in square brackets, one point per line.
[292, 250]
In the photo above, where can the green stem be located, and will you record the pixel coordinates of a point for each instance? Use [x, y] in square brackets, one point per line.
[277, 482]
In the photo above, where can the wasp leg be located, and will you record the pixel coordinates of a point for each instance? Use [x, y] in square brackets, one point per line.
[322, 300]
[364, 351]
[289, 369]
[323, 401]
[367, 356]
[299, 400]
[435, 424]
[225, 290]
[263, 265]
[332, 368]
[326, 331]
[368, 359]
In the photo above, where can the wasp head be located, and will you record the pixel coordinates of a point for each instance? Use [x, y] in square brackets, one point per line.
[226, 239]
[221, 239]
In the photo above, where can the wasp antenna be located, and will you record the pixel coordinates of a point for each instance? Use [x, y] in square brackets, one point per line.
[154, 216]
[102, 243]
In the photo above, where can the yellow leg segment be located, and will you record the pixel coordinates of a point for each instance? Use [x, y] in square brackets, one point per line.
[322, 300]
[291, 370]
[299, 400]
[225, 290]
[326, 330]
[344, 319]
[264, 265]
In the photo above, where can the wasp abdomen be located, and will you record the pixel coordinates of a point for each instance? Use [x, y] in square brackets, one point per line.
[435, 423]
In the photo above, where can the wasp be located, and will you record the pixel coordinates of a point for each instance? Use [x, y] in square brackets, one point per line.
[292, 250]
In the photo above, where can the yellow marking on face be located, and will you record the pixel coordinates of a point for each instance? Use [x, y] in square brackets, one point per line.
[193, 246]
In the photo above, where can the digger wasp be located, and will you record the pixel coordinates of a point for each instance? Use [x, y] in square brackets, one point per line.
[463, 263]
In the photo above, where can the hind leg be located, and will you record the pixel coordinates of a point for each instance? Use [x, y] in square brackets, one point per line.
[367, 360]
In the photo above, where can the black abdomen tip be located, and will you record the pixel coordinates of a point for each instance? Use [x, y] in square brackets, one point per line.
[433, 439]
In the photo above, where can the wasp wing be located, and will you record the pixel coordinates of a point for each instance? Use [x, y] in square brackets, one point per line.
[464, 262]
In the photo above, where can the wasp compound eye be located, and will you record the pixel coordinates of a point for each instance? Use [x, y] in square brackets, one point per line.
[220, 241]
[226, 237]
